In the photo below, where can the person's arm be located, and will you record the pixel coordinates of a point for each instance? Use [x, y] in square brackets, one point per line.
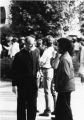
[7, 48]
[55, 61]
[43, 58]
[68, 69]
[14, 74]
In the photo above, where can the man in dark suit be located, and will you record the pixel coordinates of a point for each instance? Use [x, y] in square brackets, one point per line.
[24, 73]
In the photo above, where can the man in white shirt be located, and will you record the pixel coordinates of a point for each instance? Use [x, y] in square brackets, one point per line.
[47, 72]
[15, 47]
[9, 45]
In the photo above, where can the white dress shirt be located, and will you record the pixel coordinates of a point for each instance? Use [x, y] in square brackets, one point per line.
[46, 57]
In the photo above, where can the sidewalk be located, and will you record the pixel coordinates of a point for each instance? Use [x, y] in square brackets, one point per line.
[77, 101]
[8, 102]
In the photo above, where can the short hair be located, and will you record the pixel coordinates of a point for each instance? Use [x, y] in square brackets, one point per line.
[39, 41]
[49, 40]
[15, 39]
[65, 45]
[9, 38]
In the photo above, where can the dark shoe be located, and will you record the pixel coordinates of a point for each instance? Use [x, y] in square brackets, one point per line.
[53, 113]
[46, 113]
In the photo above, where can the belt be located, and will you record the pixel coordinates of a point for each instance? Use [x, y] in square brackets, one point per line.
[47, 68]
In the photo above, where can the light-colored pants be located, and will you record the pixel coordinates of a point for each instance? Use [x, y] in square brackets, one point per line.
[48, 77]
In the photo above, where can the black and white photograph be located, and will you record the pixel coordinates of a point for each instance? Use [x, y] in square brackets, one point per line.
[41, 59]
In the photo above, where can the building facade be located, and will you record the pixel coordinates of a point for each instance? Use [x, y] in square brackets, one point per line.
[4, 12]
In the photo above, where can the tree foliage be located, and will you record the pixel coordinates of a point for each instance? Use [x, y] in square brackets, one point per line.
[81, 16]
[40, 17]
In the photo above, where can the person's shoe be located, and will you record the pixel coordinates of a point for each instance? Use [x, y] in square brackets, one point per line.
[46, 113]
[53, 113]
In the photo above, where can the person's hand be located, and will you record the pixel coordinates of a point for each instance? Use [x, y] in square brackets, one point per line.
[38, 75]
[14, 89]
[58, 55]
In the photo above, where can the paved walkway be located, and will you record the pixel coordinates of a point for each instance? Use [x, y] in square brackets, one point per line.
[8, 102]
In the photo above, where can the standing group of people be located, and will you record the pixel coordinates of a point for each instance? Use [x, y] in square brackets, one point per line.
[81, 68]
[10, 48]
[79, 57]
[56, 65]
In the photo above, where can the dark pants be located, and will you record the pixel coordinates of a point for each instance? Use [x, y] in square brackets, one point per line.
[26, 100]
[63, 109]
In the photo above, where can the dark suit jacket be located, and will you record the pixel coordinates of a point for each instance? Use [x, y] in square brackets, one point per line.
[25, 67]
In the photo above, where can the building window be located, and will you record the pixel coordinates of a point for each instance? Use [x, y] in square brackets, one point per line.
[2, 15]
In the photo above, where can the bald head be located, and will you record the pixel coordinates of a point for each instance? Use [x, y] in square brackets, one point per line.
[30, 42]
[30, 39]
